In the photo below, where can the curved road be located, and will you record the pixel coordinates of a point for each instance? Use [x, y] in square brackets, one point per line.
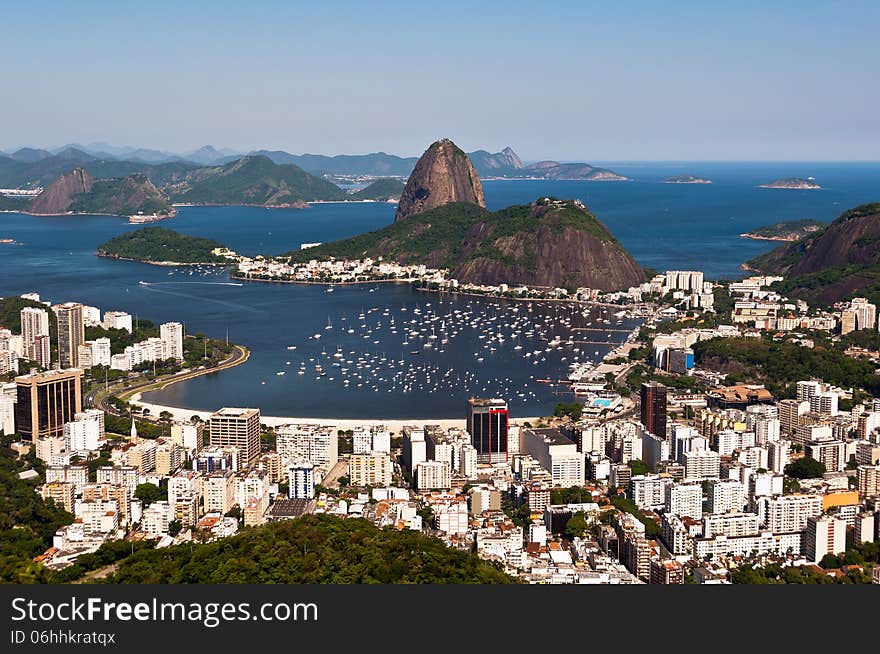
[99, 397]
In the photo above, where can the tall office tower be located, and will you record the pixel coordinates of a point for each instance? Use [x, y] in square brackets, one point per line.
[653, 398]
[301, 481]
[34, 322]
[171, 334]
[71, 332]
[487, 424]
[239, 428]
[45, 401]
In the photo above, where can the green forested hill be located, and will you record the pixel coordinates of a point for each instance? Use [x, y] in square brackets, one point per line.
[154, 244]
[381, 189]
[319, 549]
[253, 180]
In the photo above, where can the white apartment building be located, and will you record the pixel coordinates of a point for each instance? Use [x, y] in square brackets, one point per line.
[433, 475]
[218, 492]
[118, 320]
[301, 480]
[725, 496]
[649, 491]
[732, 525]
[156, 518]
[824, 535]
[685, 500]
[313, 443]
[82, 435]
[702, 464]
[764, 542]
[171, 335]
[556, 454]
[790, 512]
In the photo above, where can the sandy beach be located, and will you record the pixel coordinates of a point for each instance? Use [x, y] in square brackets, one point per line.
[392, 424]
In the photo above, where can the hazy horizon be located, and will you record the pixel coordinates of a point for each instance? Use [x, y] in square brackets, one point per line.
[637, 82]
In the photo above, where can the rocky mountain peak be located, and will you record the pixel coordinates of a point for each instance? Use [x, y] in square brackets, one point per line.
[443, 174]
[57, 197]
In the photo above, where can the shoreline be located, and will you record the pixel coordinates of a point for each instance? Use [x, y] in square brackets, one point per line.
[780, 239]
[394, 424]
[159, 263]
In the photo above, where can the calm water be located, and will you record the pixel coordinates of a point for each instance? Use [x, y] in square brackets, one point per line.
[664, 226]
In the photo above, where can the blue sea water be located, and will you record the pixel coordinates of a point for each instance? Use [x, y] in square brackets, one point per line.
[662, 225]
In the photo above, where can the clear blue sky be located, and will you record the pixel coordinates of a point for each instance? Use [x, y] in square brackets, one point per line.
[566, 80]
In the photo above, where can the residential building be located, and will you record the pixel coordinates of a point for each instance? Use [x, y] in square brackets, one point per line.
[370, 469]
[790, 512]
[685, 500]
[301, 480]
[667, 572]
[71, 332]
[824, 535]
[171, 334]
[556, 454]
[702, 464]
[433, 475]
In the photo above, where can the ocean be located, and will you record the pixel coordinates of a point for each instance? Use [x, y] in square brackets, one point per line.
[664, 226]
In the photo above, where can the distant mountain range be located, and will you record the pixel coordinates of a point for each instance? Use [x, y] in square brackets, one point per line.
[38, 167]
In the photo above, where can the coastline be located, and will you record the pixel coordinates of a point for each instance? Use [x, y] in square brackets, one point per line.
[160, 263]
[394, 424]
[780, 239]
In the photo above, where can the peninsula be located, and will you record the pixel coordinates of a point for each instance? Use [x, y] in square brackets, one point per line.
[160, 246]
[793, 183]
[790, 230]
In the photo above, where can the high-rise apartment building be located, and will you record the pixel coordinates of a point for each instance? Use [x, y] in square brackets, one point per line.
[238, 428]
[71, 332]
[171, 334]
[487, 424]
[35, 335]
[301, 481]
[825, 535]
[45, 401]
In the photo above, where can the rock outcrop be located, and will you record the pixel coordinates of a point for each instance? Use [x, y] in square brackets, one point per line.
[443, 174]
[549, 243]
[58, 196]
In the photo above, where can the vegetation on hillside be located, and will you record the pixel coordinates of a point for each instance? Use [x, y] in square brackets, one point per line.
[788, 230]
[312, 549]
[125, 197]
[382, 190]
[160, 244]
[440, 236]
[779, 365]
[27, 522]
[254, 180]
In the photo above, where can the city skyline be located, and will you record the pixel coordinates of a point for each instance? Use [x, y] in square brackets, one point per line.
[640, 82]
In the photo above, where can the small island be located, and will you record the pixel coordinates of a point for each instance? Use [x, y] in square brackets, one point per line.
[165, 247]
[794, 183]
[791, 230]
[686, 179]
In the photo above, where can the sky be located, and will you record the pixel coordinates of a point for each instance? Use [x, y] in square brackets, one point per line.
[587, 80]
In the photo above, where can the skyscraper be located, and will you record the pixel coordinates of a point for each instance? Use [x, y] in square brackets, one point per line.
[302, 480]
[46, 400]
[653, 410]
[71, 332]
[487, 424]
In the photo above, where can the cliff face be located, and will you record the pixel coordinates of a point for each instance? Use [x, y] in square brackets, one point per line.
[443, 174]
[833, 263]
[134, 191]
[57, 197]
